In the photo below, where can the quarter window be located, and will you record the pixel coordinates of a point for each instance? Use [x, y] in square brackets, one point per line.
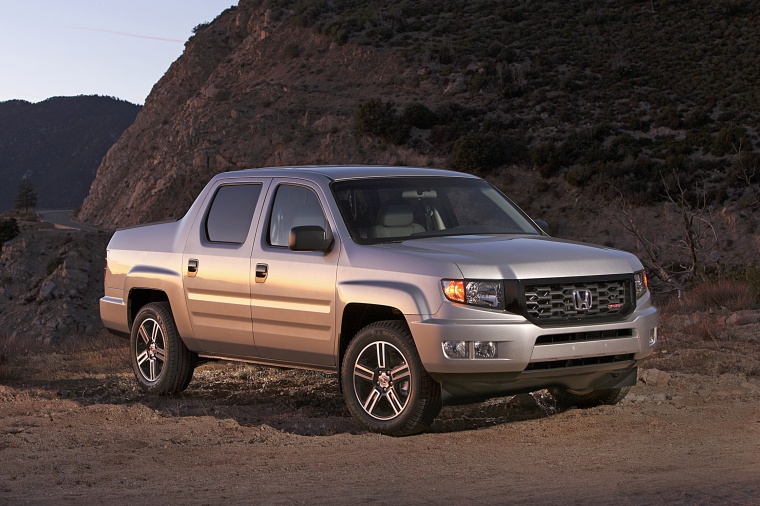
[231, 212]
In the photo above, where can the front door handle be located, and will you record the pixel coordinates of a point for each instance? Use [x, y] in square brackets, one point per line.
[262, 271]
[192, 268]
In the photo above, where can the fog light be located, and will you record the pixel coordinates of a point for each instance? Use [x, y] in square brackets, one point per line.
[653, 336]
[456, 349]
[484, 349]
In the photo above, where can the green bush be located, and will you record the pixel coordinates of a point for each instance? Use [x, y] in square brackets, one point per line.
[292, 50]
[669, 117]
[419, 116]
[197, 28]
[546, 157]
[729, 139]
[222, 95]
[374, 117]
[478, 153]
[8, 229]
[698, 118]
[580, 175]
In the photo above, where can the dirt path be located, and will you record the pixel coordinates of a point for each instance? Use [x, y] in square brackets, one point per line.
[64, 219]
[242, 434]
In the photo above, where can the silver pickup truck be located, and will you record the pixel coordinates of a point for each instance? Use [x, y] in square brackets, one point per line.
[415, 286]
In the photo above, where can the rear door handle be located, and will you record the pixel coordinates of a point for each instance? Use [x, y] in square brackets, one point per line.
[262, 271]
[192, 268]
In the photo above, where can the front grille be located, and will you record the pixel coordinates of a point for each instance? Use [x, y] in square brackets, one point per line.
[575, 337]
[566, 301]
[578, 362]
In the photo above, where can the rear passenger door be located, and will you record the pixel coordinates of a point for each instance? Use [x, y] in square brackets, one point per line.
[217, 267]
[293, 296]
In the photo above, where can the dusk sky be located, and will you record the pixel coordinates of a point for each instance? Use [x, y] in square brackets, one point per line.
[94, 47]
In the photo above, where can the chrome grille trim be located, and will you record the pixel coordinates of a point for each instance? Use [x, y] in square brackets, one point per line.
[556, 301]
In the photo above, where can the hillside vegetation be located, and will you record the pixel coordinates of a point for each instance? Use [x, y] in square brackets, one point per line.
[597, 91]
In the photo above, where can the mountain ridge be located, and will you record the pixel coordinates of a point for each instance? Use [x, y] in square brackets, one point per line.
[58, 144]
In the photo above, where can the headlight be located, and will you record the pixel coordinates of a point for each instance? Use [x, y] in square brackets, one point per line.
[641, 282]
[488, 294]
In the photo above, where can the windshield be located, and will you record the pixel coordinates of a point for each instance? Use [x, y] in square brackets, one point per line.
[400, 208]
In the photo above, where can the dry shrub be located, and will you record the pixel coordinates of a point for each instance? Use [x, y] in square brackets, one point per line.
[724, 293]
[704, 329]
[12, 347]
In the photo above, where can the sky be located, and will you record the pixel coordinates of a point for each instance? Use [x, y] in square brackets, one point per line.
[116, 48]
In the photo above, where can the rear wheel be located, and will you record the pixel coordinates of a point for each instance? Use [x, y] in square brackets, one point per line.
[385, 385]
[567, 398]
[161, 362]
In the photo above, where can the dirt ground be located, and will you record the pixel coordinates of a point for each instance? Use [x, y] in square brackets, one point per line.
[75, 429]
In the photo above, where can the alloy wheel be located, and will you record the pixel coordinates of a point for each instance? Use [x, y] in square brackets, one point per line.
[382, 380]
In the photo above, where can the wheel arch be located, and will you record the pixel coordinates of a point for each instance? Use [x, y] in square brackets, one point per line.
[370, 302]
[139, 297]
[145, 284]
[356, 316]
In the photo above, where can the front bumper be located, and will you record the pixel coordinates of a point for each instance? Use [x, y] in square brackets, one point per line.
[596, 361]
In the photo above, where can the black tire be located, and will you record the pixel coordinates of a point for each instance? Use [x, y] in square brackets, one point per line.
[160, 360]
[384, 383]
[588, 398]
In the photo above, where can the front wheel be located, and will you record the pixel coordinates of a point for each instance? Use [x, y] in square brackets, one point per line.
[161, 362]
[567, 398]
[385, 385]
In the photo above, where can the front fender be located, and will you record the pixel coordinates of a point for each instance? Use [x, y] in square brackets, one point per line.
[408, 298]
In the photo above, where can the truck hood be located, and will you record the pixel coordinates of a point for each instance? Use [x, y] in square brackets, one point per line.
[520, 256]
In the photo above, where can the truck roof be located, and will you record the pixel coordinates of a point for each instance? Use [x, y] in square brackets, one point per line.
[338, 172]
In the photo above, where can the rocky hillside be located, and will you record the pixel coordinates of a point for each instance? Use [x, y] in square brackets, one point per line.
[58, 145]
[50, 283]
[590, 114]
[236, 100]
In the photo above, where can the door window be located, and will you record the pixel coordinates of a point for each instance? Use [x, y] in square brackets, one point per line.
[294, 206]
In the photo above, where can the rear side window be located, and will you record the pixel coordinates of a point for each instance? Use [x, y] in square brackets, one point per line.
[231, 212]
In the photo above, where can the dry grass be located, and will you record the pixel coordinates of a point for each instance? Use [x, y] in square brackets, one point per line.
[729, 294]
[27, 359]
[709, 331]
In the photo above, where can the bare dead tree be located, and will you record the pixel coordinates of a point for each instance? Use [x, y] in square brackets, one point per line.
[650, 252]
[700, 240]
[683, 263]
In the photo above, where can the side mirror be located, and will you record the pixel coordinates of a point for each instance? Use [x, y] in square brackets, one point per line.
[310, 238]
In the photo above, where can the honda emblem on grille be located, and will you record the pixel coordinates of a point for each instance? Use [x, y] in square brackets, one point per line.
[582, 300]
